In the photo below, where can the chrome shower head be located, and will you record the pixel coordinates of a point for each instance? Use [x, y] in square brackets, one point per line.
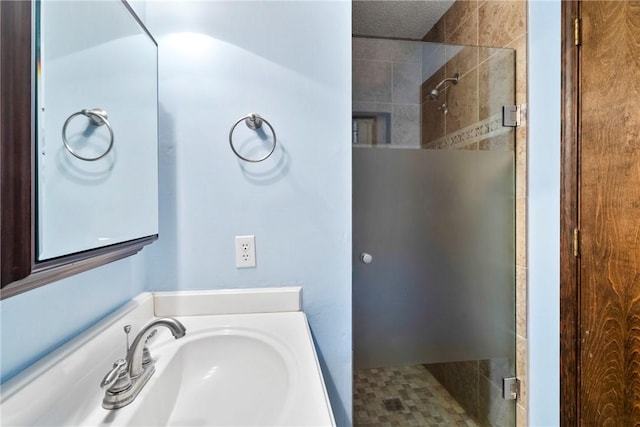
[435, 92]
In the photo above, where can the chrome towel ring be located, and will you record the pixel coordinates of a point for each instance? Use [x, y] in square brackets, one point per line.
[97, 117]
[253, 121]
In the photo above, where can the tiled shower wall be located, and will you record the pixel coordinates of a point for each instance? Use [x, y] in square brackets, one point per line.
[386, 74]
[496, 24]
[468, 114]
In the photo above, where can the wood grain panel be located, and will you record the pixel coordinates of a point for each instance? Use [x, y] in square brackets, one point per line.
[15, 140]
[569, 278]
[609, 204]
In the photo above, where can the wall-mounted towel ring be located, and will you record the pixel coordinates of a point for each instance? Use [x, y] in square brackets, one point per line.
[97, 117]
[253, 121]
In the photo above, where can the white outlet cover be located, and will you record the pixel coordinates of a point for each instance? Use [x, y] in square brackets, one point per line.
[246, 251]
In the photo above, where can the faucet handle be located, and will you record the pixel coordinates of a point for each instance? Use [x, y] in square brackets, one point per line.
[127, 329]
[119, 373]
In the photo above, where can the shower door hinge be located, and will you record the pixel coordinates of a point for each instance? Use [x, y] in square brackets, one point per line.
[576, 243]
[510, 388]
[511, 116]
[577, 32]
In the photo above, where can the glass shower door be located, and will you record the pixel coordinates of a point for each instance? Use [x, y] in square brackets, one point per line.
[438, 227]
[434, 235]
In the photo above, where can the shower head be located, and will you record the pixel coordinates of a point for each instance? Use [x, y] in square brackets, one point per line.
[435, 92]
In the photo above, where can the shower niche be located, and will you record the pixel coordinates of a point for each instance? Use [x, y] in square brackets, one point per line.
[371, 128]
[434, 312]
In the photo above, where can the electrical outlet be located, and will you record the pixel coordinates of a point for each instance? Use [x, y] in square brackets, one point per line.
[245, 251]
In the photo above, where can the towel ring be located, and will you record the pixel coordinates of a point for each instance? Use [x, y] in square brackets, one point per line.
[97, 117]
[253, 122]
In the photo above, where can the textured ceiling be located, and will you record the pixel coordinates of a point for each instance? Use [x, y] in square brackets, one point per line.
[397, 18]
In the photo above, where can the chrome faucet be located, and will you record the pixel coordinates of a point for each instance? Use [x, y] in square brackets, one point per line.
[128, 376]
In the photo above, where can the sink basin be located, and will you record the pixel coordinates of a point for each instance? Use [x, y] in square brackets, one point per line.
[224, 377]
[241, 369]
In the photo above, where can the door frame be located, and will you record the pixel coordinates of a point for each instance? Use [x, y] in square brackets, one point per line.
[569, 221]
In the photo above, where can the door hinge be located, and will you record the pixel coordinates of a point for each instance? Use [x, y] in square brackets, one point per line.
[510, 388]
[511, 116]
[577, 32]
[576, 242]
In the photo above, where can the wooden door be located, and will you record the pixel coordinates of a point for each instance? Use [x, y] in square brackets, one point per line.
[607, 274]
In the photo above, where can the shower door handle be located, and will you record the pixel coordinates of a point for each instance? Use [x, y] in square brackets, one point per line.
[366, 258]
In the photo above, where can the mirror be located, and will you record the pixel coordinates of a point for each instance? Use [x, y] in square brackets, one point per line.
[96, 181]
[89, 149]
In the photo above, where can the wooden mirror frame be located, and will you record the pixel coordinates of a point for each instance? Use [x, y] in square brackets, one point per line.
[19, 270]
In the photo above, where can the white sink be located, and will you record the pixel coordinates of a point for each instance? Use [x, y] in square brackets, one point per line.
[256, 369]
[222, 377]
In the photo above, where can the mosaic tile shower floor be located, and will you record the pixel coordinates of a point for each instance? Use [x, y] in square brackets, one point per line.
[404, 396]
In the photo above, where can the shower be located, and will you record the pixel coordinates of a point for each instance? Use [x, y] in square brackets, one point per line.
[433, 211]
[435, 92]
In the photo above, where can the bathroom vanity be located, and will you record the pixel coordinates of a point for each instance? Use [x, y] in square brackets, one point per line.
[247, 358]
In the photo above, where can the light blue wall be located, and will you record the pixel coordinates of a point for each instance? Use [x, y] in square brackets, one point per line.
[291, 63]
[36, 322]
[544, 213]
